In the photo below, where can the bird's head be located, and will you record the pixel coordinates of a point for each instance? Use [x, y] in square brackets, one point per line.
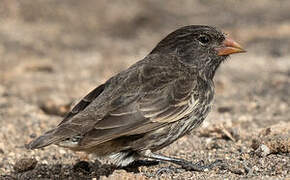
[200, 47]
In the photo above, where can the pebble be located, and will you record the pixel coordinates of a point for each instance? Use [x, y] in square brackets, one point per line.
[61, 151]
[263, 150]
[208, 141]
[25, 164]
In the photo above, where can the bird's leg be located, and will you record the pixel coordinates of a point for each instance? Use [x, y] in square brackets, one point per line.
[189, 166]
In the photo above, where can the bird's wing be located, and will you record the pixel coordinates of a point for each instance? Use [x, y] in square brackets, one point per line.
[151, 111]
[138, 100]
[163, 97]
[84, 102]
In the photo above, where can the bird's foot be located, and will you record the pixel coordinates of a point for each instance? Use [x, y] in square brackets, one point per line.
[186, 165]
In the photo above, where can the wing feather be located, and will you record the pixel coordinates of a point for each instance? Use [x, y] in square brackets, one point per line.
[84, 102]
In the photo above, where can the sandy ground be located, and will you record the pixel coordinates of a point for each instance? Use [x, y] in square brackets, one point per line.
[53, 52]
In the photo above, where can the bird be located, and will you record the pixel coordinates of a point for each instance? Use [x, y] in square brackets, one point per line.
[151, 104]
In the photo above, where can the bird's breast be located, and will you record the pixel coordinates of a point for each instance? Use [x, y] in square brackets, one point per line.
[200, 105]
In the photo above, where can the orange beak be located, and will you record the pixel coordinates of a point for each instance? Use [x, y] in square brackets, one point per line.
[229, 46]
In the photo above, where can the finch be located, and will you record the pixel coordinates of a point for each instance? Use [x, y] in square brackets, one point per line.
[149, 105]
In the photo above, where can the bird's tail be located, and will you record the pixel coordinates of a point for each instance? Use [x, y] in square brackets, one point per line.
[44, 140]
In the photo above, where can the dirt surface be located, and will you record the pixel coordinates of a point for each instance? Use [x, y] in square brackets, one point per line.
[53, 52]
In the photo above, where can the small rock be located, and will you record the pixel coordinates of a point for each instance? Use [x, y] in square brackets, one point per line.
[40, 68]
[208, 141]
[25, 164]
[255, 144]
[82, 166]
[263, 150]
[61, 151]
[224, 109]
[53, 108]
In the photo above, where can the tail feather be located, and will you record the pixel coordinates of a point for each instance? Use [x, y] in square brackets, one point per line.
[46, 139]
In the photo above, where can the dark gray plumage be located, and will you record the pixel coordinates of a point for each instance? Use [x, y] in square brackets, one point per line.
[152, 103]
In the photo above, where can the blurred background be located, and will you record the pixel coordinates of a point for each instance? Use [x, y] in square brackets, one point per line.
[54, 52]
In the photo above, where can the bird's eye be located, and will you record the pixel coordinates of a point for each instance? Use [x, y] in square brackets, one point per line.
[204, 39]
